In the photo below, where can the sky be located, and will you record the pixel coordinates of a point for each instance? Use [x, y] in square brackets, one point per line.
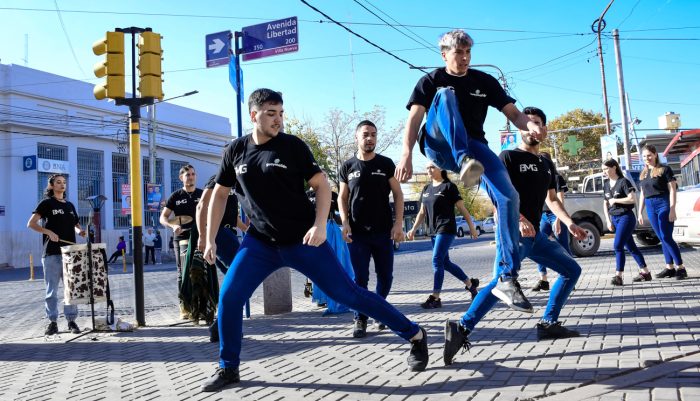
[546, 49]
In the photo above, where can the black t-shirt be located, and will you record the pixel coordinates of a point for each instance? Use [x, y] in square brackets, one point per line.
[368, 184]
[657, 186]
[311, 194]
[184, 203]
[59, 217]
[532, 176]
[231, 210]
[439, 203]
[620, 190]
[268, 180]
[561, 187]
[474, 91]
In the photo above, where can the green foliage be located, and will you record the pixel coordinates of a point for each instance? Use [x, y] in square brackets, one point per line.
[590, 137]
[308, 134]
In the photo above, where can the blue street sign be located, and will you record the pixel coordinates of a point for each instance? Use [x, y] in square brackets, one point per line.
[270, 39]
[29, 163]
[217, 48]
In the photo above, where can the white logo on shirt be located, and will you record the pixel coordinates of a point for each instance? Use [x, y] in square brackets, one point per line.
[241, 169]
[378, 172]
[477, 93]
[57, 211]
[276, 164]
[525, 167]
[181, 202]
[353, 175]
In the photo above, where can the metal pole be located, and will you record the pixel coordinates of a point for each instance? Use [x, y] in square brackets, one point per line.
[152, 145]
[602, 67]
[623, 105]
[239, 100]
[136, 211]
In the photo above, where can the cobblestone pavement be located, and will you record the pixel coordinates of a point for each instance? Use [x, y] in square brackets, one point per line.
[639, 342]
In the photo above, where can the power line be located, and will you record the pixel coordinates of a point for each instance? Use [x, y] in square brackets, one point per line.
[554, 59]
[420, 42]
[629, 15]
[65, 32]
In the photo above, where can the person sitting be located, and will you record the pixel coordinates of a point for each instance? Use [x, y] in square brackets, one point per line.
[121, 247]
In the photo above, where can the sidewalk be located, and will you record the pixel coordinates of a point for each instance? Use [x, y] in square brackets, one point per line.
[639, 342]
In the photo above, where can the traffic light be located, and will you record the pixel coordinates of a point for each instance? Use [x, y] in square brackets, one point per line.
[150, 69]
[112, 46]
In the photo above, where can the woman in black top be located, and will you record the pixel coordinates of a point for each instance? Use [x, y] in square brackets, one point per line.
[659, 196]
[619, 199]
[438, 201]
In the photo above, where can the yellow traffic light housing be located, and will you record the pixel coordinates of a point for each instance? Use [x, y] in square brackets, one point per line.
[112, 46]
[150, 65]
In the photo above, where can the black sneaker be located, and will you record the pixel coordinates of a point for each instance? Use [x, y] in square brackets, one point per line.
[542, 285]
[431, 303]
[616, 280]
[473, 289]
[214, 331]
[222, 378]
[73, 327]
[51, 329]
[456, 337]
[667, 273]
[380, 326]
[681, 274]
[360, 329]
[418, 356]
[509, 291]
[642, 277]
[554, 331]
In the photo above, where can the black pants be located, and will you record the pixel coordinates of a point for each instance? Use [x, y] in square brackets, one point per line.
[152, 251]
[115, 256]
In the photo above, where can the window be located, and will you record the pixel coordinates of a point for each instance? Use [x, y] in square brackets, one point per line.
[151, 218]
[90, 181]
[54, 152]
[120, 175]
[175, 182]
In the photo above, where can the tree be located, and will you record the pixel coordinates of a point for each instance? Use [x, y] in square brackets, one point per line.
[589, 153]
[305, 131]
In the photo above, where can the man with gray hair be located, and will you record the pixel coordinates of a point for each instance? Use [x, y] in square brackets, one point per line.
[456, 99]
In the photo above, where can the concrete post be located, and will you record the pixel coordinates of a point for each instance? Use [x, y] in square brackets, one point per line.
[277, 292]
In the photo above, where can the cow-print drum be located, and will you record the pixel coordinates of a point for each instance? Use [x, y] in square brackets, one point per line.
[76, 287]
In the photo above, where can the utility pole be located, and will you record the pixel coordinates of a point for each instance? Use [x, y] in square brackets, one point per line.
[597, 27]
[623, 99]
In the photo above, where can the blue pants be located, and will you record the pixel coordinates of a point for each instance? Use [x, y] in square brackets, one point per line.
[446, 144]
[256, 260]
[53, 274]
[226, 247]
[658, 209]
[624, 226]
[547, 228]
[540, 250]
[441, 261]
[380, 248]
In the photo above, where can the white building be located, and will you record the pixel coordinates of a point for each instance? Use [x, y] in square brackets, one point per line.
[53, 124]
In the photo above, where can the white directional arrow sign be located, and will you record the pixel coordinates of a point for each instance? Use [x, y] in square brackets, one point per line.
[217, 46]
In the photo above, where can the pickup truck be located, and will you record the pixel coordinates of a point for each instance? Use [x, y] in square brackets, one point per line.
[586, 209]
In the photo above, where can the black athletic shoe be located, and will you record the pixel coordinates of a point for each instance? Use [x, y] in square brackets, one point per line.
[214, 331]
[73, 327]
[681, 274]
[642, 277]
[509, 291]
[542, 285]
[473, 289]
[616, 280]
[456, 337]
[222, 378]
[380, 326]
[360, 329]
[554, 331]
[431, 303]
[51, 329]
[418, 356]
[666, 273]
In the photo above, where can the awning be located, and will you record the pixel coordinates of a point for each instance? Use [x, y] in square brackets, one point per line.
[681, 143]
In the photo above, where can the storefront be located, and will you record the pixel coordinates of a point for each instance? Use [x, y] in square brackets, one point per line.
[686, 146]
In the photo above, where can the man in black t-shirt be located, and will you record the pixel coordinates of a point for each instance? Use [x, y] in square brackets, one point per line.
[365, 183]
[534, 178]
[182, 204]
[268, 170]
[456, 99]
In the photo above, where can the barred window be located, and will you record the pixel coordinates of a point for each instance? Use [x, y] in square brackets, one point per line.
[54, 152]
[90, 181]
[120, 175]
[175, 166]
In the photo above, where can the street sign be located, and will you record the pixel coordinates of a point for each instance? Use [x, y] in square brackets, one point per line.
[217, 48]
[270, 39]
[29, 163]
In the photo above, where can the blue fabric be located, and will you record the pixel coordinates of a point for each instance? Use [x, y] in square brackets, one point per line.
[53, 274]
[624, 227]
[256, 260]
[380, 248]
[547, 228]
[335, 240]
[446, 144]
[540, 250]
[441, 261]
[226, 246]
[658, 209]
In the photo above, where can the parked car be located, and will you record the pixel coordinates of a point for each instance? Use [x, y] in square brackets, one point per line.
[463, 227]
[687, 227]
[488, 225]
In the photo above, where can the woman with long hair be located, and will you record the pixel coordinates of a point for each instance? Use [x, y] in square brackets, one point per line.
[619, 200]
[438, 201]
[659, 197]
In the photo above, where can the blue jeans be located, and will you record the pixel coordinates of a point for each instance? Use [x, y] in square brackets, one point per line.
[226, 247]
[446, 144]
[547, 228]
[624, 227]
[380, 248]
[256, 260]
[441, 261]
[540, 250]
[658, 209]
[53, 274]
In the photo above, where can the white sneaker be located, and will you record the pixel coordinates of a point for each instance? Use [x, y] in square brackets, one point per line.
[471, 172]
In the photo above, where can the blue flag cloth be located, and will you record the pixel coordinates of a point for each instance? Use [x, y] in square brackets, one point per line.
[236, 82]
[335, 240]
